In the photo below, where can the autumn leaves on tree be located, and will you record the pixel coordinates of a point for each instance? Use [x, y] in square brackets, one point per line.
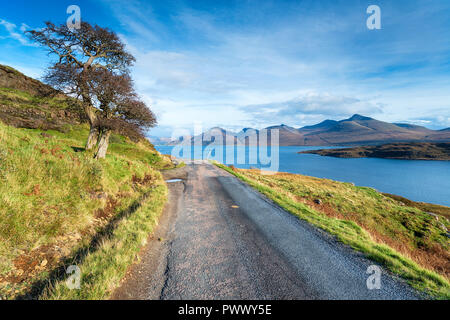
[93, 65]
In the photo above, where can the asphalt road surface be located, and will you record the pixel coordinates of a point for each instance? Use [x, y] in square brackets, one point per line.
[220, 239]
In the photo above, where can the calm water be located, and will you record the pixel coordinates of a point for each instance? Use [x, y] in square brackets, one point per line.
[427, 181]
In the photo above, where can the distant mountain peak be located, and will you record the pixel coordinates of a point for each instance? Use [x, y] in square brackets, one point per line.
[324, 124]
[358, 117]
[357, 129]
[216, 129]
[281, 126]
[328, 121]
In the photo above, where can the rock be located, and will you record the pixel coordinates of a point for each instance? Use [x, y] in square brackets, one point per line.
[433, 215]
[102, 195]
[317, 201]
[99, 195]
[175, 161]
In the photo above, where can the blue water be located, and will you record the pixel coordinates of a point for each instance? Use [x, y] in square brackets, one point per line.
[427, 181]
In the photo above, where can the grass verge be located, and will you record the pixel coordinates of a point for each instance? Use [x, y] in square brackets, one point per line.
[386, 230]
[59, 207]
[108, 259]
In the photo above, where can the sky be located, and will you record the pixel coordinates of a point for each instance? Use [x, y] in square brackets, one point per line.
[256, 63]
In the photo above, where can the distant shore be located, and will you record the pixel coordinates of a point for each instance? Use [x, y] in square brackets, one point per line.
[404, 151]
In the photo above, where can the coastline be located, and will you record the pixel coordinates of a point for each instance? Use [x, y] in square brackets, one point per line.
[394, 151]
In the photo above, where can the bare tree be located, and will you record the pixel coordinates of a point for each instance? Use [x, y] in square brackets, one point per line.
[120, 109]
[80, 52]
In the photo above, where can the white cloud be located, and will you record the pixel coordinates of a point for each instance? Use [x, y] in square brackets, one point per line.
[309, 107]
[17, 33]
[439, 122]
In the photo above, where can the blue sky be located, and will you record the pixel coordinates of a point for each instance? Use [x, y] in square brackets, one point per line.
[258, 63]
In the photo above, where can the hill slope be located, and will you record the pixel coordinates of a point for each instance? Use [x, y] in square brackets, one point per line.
[359, 129]
[59, 207]
[28, 103]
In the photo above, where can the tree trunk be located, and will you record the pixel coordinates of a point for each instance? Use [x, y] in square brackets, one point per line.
[92, 139]
[103, 145]
[93, 133]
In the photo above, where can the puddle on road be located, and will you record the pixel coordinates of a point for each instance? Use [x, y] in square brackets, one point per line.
[174, 180]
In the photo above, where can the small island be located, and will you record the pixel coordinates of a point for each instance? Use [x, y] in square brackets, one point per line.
[405, 151]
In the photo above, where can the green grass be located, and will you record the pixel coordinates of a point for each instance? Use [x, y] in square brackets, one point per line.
[24, 100]
[404, 239]
[55, 199]
[103, 269]
[427, 207]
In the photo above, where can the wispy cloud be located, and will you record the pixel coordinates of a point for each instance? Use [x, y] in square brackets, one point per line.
[438, 122]
[314, 103]
[17, 33]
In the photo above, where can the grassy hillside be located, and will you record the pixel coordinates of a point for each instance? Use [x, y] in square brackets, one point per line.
[408, 241]
[28, 103]
[24, 110]
[60, 207]
[55, 199]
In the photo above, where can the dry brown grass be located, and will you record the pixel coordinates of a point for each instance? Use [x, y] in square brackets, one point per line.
[423, 241]
[434, 257]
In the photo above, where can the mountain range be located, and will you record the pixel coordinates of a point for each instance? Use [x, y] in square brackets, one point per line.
[356, 130]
